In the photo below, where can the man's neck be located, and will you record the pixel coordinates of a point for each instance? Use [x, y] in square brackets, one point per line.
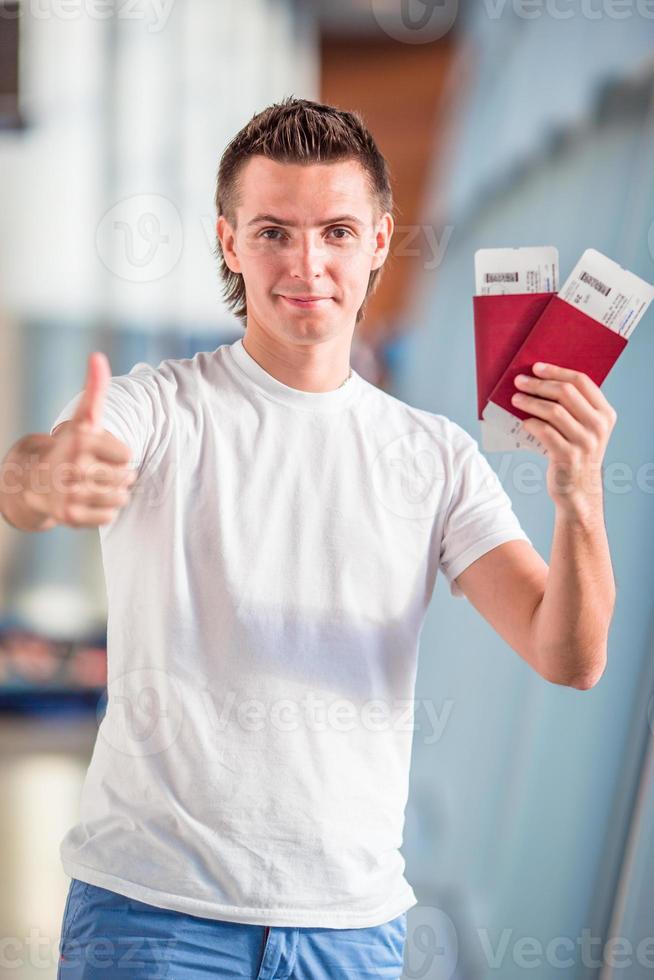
[298, 368]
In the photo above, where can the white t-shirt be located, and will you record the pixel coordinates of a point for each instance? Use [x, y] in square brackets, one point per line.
[266, 587]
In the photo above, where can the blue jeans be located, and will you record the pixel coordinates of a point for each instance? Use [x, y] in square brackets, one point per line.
[109, 936]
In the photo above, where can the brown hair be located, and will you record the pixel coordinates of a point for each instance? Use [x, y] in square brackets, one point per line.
[297, 131]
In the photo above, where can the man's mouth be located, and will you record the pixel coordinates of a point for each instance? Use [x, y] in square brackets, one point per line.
[307, 301]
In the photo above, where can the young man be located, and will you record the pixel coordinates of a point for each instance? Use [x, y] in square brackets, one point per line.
[268, 574]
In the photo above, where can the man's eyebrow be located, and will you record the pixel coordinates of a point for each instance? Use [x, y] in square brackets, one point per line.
[260, 218]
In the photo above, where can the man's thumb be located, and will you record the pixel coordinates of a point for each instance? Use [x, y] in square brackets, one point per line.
[90, 406]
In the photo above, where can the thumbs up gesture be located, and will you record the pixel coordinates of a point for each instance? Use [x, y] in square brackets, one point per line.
[88, 414]
[87, 478]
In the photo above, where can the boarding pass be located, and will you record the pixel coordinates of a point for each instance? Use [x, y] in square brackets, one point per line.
[516, 270]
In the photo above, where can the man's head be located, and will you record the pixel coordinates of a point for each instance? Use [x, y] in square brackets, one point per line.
[304, 207]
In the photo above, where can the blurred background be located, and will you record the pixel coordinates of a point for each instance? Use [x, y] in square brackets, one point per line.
[505, 122]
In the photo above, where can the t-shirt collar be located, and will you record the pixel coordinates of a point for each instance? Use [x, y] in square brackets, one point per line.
[312, 401]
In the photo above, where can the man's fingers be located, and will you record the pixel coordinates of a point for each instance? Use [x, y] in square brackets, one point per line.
[107, 484]
[111, 450]
[103, 499]
[90, 407]
[106, 474]
[97, 479]
[77, 515]
[116, 477]
[88, 508]
[104, 447]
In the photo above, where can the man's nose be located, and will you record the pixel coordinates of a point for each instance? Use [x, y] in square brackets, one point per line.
[308, 257]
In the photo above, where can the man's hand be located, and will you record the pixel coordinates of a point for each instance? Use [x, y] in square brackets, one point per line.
[82, 477]
[574, 421]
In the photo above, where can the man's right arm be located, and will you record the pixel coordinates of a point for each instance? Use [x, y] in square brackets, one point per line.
[77, 476]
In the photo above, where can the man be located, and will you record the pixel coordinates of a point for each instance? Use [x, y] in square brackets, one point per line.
[268, 573]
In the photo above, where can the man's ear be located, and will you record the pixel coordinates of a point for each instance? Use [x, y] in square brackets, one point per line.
[382, 239]
[227, 239]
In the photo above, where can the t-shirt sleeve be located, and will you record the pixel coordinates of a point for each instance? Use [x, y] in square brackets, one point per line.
[478, 516]
[134, 411]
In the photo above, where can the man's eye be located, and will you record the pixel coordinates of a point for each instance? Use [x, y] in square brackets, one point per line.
[347, 230]
[275, 231]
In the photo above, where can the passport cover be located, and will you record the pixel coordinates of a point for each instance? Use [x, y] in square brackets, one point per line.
[502, 324]
[562, 335]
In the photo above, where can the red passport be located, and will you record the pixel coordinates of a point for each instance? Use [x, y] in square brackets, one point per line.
[502, 324]
[562, 335]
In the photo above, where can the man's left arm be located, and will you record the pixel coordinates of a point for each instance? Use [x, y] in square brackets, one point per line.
[557, 618]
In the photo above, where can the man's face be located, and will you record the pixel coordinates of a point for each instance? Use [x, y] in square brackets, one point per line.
[305, 231]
